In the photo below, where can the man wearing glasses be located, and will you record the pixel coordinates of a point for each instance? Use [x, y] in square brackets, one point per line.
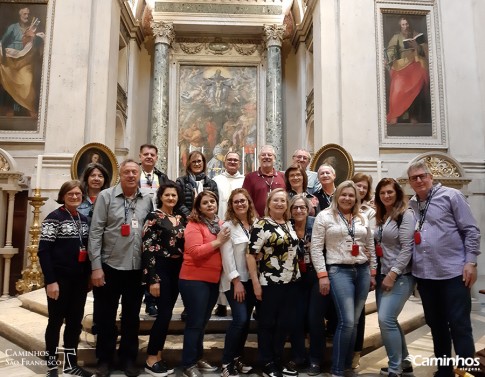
[228, 180]
[302, 157]
[447, 243]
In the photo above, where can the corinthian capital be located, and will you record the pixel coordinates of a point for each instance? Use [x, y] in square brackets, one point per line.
[163, 32]
[274, 34]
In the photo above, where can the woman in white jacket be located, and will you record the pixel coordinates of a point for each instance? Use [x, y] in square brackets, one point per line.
[235, 282]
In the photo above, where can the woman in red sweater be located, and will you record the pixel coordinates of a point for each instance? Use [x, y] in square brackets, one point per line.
[199, 278]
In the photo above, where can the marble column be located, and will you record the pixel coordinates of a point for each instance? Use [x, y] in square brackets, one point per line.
[164, 36]
[273, 35]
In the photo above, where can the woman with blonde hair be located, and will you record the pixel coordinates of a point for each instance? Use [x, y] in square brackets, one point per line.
[235, 282]
[273, 242]
[344, 271]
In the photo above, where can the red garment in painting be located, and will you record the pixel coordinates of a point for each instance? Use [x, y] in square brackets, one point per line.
[406, 84]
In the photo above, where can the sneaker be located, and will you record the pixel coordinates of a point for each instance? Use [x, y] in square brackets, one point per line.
[204, 366]
[221, 311]
[229, 370]
[313, 369]
[167, 368]
[271, 370]
[192, 372]
[102, 370]
[151, 310]
[290, 370]
[76, 371]
[53, 372]
[241, 367]
[156, 370]
[406, 372]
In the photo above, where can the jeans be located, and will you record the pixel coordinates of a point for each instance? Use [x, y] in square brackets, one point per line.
[69, 307]
[276, 318]
[199, 298]
[310, 312]
[349, 285]
[237, 331]
[389, 306]
[168, 270]
[127, 285]
[447, 307]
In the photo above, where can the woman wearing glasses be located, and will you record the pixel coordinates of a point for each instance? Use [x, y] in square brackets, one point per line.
[65, 264]
[195, 181]
[94, 179]
[235, 282]
[273, 242]
[394, 237]
[311, 305]
[296, 183]
[344, 270]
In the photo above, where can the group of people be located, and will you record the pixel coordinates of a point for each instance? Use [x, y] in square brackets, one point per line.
[289, 243]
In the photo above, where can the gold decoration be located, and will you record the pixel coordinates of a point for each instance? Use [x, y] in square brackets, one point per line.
[32, 277]
[441, 168]
[4, 165]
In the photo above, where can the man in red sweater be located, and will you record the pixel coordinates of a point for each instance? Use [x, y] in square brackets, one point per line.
[266, 179]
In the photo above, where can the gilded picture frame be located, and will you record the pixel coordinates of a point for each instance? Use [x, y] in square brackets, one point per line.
[337, 157]
[24, 63]
[95, 152]
[410, 79]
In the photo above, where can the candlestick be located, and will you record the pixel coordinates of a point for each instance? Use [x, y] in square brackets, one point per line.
[39, 169]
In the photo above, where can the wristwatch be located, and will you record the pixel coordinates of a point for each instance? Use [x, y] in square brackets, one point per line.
[474, 264]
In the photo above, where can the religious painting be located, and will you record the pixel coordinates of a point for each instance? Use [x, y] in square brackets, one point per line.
[410, 87]
[95, 152]
[22, 31]
[217, 113]
[338, 158]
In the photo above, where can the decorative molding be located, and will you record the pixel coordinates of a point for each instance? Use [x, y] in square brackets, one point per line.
[273, 35]
[200, 7]
[217, 46]
[130, 27]
[163, 32]
[304, 31]
[122, 101]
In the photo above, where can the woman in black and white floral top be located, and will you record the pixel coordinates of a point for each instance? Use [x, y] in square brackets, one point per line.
[273, 242]
[163, 245]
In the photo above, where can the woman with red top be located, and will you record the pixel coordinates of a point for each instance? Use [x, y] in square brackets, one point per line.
[199, 278]
[94, 179]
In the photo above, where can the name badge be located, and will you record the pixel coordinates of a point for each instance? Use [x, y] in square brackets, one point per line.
[134, 223]
[348, 245]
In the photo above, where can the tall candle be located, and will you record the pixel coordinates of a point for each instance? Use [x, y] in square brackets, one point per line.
[39, 169]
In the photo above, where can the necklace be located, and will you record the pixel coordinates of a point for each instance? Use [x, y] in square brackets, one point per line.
[166, 214]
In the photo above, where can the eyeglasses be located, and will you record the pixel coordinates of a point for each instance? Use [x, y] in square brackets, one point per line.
[74, 194]
[298, 175]
[299, 208]
[421, 177]
[232, 160]
[196, 162]
[301, 157]
[239, 202]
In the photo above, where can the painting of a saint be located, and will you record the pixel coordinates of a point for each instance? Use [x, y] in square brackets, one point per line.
[217, 114]
[21, 50]
[407, 80]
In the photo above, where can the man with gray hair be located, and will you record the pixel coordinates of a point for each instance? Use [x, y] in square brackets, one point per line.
[115, 242]
[302, 157]
[447, 244]
[266, 179]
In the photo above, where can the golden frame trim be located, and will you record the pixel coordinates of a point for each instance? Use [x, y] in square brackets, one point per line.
[108, 160]
[343, 164]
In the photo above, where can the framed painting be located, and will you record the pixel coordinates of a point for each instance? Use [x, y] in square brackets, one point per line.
[217, 113]
[337, 157]
[95, 152]
[410, 86]
[23, 28]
